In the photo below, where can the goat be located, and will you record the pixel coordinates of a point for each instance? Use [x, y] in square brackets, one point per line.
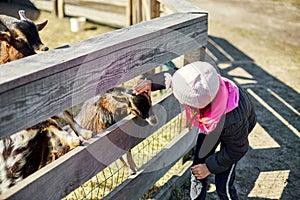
[23, 153]
[100, 112]
[19, 38]
[27, 151]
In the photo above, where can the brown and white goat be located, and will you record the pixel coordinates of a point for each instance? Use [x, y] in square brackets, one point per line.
[27, 151]
[100, 112]
[19, 37]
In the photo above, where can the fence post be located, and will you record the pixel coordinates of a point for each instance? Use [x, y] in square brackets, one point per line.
[151, 9]
[54, 6]
[129, 12]
[138, 11]
[195, 55]
[60, 8]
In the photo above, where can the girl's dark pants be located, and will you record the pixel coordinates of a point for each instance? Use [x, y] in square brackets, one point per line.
[224, 181]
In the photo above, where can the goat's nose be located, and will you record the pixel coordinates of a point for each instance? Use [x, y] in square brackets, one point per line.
[44, 48]
[152, 120]
[40, 47]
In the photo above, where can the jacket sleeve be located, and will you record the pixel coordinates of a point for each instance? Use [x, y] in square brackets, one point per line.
[158, 79]
[234, 136]
[234, 145]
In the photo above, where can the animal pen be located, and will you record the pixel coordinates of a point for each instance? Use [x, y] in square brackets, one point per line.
[37, 87]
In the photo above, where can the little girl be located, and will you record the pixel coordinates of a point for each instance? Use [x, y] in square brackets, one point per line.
[224, 114]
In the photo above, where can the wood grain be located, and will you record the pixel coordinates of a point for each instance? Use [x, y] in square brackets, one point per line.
[37, 87]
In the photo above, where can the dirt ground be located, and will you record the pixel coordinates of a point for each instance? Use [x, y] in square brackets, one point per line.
[256, 43]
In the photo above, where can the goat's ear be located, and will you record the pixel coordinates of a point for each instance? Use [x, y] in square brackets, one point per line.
[41, 25]
[5, 36]
[22, 15]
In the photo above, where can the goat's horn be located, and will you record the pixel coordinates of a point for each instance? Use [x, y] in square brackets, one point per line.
[41, 25]
[22, 15]
[6, 22]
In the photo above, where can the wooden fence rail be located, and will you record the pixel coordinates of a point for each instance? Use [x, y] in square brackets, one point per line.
[118, 13]
[37, 87]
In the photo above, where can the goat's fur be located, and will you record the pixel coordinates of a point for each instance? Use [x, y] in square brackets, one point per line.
[100, 112]
[27, 151]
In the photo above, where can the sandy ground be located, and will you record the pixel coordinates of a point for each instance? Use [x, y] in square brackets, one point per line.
[256, 43]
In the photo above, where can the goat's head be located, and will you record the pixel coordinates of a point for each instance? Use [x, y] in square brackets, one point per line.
[141, 106]
[19, 38]
[138, 105]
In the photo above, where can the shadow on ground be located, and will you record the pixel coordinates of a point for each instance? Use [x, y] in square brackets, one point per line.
[270, 169]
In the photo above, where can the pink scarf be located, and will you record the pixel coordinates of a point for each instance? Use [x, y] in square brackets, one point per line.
[225, 101]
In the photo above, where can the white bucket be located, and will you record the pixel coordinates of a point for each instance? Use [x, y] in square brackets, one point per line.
[77, 23]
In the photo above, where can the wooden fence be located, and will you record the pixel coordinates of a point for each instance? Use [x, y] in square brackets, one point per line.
[118, 13]
[37, 87]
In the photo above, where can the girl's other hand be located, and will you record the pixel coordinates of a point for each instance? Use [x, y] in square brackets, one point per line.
[200, 171]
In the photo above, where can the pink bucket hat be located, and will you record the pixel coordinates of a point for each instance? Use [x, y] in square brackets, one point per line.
[195, 84]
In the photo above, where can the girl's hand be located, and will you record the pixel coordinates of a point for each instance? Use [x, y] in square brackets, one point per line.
[200, 171]
[142, 86]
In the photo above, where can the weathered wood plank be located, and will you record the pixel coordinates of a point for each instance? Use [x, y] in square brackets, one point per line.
[44, 5]
[121, 3]
[82, 163]
[181, 6]
[40, 86]
[116, 19]
[155, 168]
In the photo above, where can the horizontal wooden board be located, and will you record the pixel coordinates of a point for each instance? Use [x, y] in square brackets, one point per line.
[181, 6]
[43, 5]
[37, 87]
[116, 17]
[121, 3]
[155, 168]
[175, 182]
[75, 168]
